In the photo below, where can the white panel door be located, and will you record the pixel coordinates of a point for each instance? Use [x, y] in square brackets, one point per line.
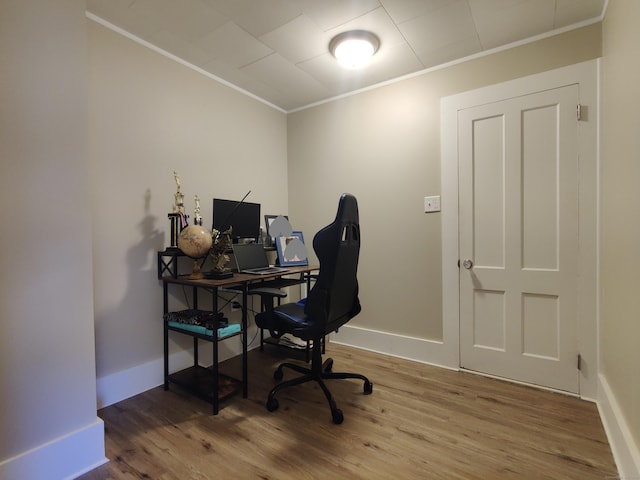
[518, 226]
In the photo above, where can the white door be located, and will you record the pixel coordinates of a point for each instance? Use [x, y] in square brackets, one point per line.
[518, 238]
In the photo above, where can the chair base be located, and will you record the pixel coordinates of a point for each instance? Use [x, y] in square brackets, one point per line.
[318, 372]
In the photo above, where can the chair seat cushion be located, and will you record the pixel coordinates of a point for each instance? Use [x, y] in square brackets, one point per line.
[288, 318]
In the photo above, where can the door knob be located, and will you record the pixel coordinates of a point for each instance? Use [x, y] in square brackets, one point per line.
[468, 264]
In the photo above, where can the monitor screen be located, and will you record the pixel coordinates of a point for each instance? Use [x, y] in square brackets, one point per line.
[243, 217]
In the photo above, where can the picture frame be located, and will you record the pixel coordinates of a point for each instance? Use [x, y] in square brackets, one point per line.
[291, 250]
[268, 222]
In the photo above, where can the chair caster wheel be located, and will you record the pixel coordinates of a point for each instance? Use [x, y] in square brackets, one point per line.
[328, 365]
[278, 374]
[337, 416]
[272, 404]
[368, 388]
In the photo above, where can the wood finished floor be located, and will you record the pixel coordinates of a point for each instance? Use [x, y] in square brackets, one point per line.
[421, 422]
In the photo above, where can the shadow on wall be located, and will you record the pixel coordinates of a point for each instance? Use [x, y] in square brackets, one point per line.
[130, 333]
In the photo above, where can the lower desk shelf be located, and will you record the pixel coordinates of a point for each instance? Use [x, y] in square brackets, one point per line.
[303, 351]
[199, 381]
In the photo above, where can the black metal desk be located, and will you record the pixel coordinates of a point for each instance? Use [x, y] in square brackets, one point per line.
[205, 382]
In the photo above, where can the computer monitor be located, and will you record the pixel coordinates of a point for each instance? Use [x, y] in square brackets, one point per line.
[244, 217]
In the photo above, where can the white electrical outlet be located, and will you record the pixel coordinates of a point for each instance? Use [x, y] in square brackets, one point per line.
[432, 204]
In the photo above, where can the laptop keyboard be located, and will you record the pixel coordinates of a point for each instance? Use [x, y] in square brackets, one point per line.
[265, 270]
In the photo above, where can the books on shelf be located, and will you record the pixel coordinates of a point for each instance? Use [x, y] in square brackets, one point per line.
[223, 332]
[193, 316]
[201, 321]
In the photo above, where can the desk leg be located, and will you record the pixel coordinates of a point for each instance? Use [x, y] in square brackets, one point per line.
[261, 339]
[215, 356]
[244, 336]
[165, 293]
[196, 361]
[216, 401]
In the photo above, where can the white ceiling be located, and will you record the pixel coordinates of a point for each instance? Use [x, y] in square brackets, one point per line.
[278, 49]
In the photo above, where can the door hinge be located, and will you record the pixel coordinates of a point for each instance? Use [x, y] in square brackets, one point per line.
[579, 362]
[578, 112]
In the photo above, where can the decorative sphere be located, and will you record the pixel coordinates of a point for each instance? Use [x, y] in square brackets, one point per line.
[194, 241]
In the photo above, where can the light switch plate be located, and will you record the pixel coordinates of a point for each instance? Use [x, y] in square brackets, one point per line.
[432, 204]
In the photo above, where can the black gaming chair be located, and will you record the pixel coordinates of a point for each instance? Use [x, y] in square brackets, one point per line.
[331, 303]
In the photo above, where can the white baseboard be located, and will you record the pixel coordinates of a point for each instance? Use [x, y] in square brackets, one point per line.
[128, 383]
[409, 348]
[133, 381]
[63, 458]
[625, 451]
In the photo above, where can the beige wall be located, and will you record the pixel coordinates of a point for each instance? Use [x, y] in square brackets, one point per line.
[47, 361]
[384, 147]
[620, 210]
[149, 116]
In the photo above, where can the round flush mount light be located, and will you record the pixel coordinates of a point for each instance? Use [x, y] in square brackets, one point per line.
[354, 49]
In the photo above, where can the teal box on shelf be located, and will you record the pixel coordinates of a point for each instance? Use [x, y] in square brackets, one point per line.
[222, 331]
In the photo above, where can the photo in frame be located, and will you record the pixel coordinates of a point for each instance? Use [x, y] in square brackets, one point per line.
[291, 250]
[276, 226]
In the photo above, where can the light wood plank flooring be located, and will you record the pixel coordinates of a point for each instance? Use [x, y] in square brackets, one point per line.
[421, 422]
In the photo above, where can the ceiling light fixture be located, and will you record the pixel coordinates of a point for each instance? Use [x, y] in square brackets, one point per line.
[354, 49]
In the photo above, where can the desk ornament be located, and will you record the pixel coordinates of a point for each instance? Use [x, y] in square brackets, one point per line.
[178, 218]
[195, 241]
[197, 218]
[219, 257]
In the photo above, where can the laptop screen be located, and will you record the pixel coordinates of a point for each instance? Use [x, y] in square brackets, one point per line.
[249, 255]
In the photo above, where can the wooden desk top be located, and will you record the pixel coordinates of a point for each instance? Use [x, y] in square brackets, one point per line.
[238, 278]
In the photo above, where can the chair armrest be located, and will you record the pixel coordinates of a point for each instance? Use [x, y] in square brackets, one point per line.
[267, 295]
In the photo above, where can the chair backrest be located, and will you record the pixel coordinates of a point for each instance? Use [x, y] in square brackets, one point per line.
[333, 300]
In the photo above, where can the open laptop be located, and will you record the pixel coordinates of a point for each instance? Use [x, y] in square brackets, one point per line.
[251, 258]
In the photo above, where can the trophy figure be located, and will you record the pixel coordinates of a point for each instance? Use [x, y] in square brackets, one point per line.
[179, 220]
[197, 218]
